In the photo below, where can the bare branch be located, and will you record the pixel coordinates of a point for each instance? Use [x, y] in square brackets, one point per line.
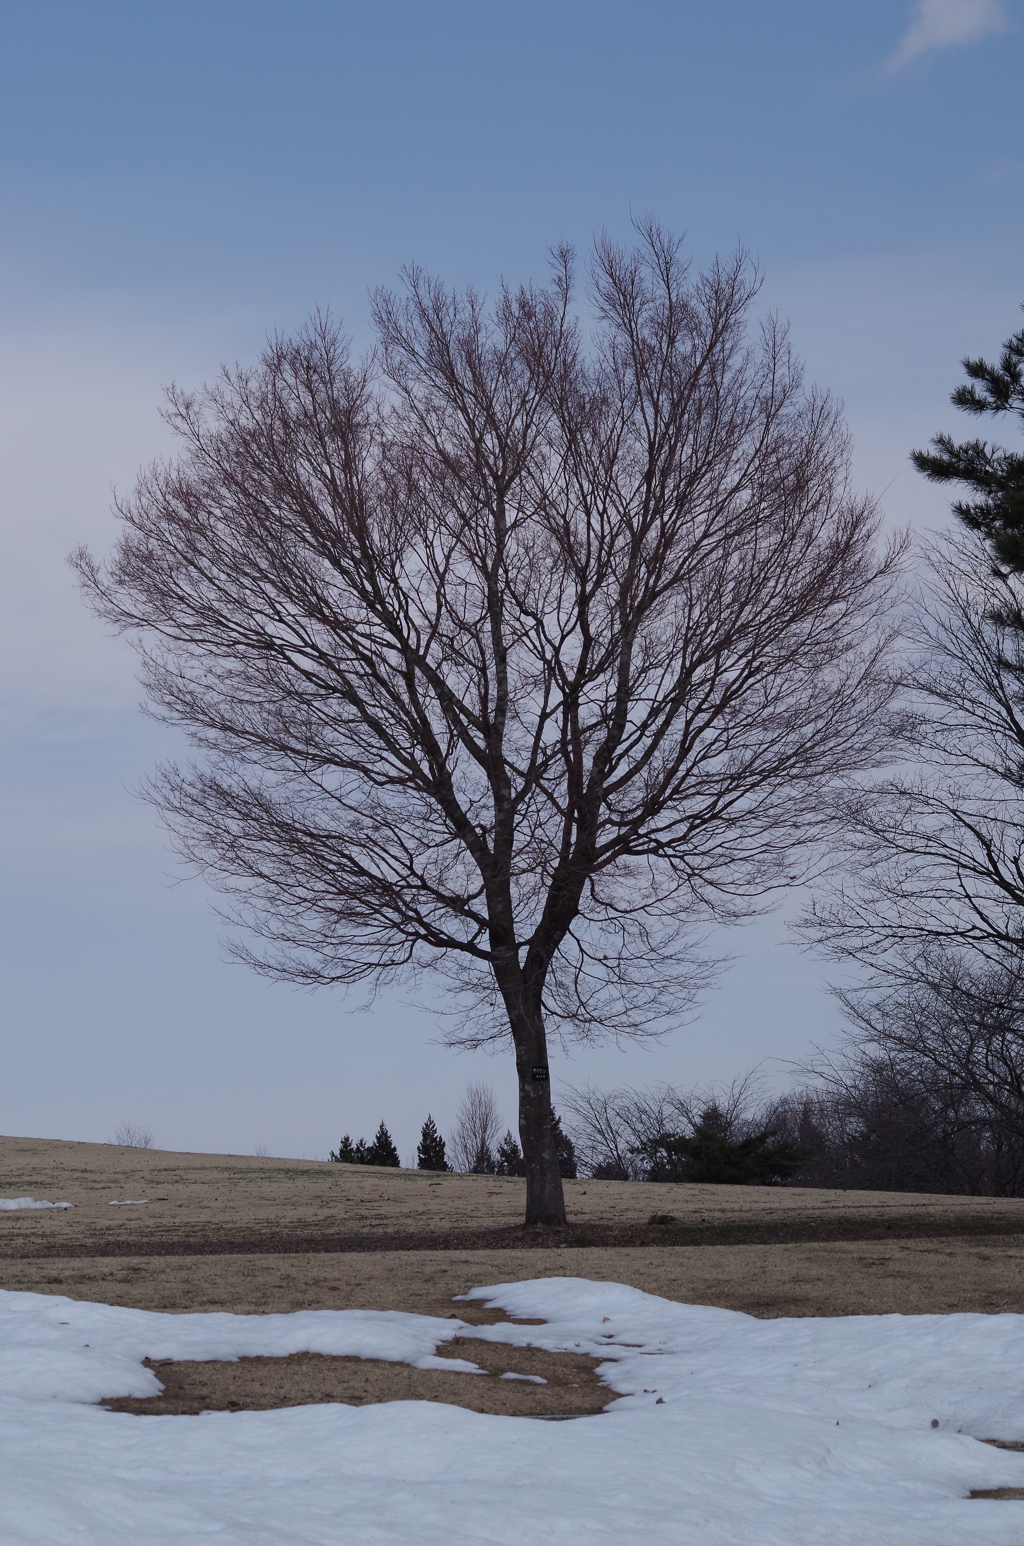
[508, 650]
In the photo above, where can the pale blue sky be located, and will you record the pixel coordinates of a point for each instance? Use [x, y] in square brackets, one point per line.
[178, 179]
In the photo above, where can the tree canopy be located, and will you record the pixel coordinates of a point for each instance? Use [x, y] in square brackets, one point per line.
[526, 647]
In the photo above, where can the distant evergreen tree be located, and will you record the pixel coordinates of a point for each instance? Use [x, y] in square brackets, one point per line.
[360, 1154]
[994, 475]
[709, 1154]
[345, 1153]
[509, 1159]
[483, 1160]
[565, 1149]
[430, 1154]
[382, 1150]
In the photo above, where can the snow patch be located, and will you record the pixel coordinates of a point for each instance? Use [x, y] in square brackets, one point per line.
[729, 1430]
[13, 1204]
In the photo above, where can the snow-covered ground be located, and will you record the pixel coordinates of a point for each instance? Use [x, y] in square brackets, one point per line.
[733, 1430]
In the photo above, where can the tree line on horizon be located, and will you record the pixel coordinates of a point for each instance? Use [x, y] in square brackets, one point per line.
[474, 1143]
[868, 1123]
[925, 901]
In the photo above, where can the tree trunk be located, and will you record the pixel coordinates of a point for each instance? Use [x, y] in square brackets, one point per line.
[545, 1201]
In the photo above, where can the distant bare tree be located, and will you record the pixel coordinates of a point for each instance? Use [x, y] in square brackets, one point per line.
[942, 1052]
[930, 905]
[474, 1138]
[603, 1132]
[132, 1135]
[517, 649]
[614, 1130]
[935, 857]
[909, 1103]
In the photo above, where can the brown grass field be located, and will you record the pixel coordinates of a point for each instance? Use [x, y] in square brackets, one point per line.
[249, 1235]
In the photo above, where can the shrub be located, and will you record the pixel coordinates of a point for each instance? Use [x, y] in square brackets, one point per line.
[133, 1135]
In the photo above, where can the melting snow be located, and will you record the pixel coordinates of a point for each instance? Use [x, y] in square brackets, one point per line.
[11, 1204]
[730, 1430]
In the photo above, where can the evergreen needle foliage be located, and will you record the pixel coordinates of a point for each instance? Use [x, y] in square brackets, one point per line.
[381, 1151]
[430, 1153]
[995, 476]
[711, 1156]
[509, 1158]
[565, 1150]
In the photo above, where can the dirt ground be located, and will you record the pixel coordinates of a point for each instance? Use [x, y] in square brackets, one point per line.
[251, 1235]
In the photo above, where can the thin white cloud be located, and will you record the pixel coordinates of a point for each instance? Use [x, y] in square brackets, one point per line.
[939, 24]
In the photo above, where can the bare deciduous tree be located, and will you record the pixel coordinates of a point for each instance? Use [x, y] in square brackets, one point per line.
[474, 1138]
[613, 1130]
[515, 649]
[936, 857]
[931, 906]
[606, 1132]
[951, 1032]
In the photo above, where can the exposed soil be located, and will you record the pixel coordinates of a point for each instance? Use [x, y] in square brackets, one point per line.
[305, 1379]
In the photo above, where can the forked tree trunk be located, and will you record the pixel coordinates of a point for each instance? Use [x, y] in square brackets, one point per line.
[545, 1200]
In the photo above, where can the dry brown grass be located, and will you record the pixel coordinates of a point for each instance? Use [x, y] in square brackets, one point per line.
[909, 1277]
[202, 1203]
[571, 1387]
